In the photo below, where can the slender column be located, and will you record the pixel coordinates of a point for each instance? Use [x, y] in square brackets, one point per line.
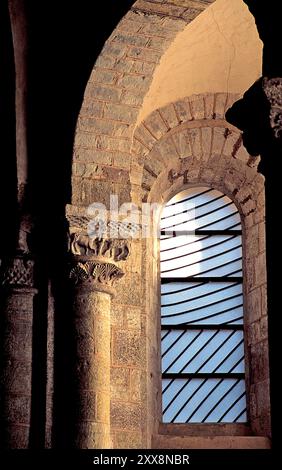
[16, 318]
[94, 274]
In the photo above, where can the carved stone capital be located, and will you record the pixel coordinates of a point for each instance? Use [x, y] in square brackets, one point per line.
[94, 260]
[95, 274]
[273, 90]
[106, 225]
[17, 273]
[98, 249]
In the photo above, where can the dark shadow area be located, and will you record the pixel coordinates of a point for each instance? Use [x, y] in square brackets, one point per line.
[8, 177]
[251, 115]
[268, 20]
[64, 40]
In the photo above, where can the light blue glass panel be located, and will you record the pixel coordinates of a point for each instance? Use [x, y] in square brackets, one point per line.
[212, 304]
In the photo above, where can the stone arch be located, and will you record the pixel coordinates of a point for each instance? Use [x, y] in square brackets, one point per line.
[115, 97]
[115, 92]
[181, 143]
[191, 133]
[227, 167]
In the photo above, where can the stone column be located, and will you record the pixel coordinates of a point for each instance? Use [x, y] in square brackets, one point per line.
[94, 273]
[16, 318]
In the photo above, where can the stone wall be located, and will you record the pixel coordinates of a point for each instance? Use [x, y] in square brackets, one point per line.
[206, 150]
[141, 155]
[186, 142]
[114, 96]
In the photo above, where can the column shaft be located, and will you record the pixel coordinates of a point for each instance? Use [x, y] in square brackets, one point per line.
[16, 367]
[91, 327]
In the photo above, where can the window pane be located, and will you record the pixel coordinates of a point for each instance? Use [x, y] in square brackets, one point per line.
[202, 309]
[204, 401]
[205, 303]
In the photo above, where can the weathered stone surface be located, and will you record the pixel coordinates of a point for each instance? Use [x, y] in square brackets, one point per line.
[154, 165]
[120, 112]
[131, 40]
[86, 407]
[129, 289]
[197, 107]
[120, 383]
[209, 102]
[260, 269]
[206, 138]
[16, 339]
[145, 55]
[131, 98]
[145, 137]
[156, 125]
[92, 108]
[182, 143]
[218, 140]
[259, 362]
[160, 8]
[169, 116]
[200, 150]
[128, 440]
[85, 192]
[17, 437]
[196, 142]
[254, 305]
[222, 442]
[126, 415]
[91, 336]
[115, 50]
[105, 93]
[252, 242]
[273, 88]
[106, 77]
[167, 149]
[134, 82]
[103, 400]
[137, 385]
[128, 348]
[220, 104]
[92, 436]
[183, 112]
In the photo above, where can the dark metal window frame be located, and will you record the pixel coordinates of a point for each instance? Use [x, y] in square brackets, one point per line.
[167, 327]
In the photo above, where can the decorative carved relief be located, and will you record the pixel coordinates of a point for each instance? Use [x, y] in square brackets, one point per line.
[98, 227]
[273, 90]
[104, 273]
[18, 273]
[96, 245]
[82, 245]
[79, 221]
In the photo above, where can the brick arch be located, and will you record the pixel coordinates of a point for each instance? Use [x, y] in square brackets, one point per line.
[203, 149]
[190, 140]
[115, 92]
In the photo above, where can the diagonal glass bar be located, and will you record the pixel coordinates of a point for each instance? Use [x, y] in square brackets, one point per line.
[202, 318]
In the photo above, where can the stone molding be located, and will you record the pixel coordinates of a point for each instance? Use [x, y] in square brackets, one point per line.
[111, 249]
[96, 273]
[94, 258]
[273, 89]
[18, 272]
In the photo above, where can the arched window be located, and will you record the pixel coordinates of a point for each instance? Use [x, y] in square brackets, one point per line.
[202, 317]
